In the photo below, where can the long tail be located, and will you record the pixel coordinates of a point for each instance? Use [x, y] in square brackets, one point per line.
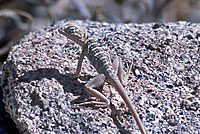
[118, 86]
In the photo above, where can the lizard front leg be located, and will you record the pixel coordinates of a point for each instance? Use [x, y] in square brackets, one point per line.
[78, 35]
[90, 87]
[80, 61]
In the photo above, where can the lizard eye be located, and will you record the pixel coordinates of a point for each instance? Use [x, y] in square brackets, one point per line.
[70, 30]
[76, 30]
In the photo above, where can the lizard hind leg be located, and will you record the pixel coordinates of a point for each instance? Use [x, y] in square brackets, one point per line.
[118, 67]
[90, 87]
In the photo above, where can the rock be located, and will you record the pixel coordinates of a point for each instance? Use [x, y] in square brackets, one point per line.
[39, 93]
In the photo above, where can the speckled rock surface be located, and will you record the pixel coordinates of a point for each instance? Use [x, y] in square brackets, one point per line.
[164, 84]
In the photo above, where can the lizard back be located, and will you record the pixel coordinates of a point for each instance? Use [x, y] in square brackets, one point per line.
[99, 58]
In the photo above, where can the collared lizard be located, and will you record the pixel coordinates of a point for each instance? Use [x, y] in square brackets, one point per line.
[108, 71]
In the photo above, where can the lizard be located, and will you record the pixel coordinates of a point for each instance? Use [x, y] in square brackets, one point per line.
[108, 71]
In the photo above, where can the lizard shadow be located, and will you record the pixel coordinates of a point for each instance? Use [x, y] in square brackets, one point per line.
[70, 86]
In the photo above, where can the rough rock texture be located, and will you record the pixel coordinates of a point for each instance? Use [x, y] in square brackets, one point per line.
[164, 84]
[7, 125]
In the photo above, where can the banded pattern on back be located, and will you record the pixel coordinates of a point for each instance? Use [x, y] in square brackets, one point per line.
[99, 58]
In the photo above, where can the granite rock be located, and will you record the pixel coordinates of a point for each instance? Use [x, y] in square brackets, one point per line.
[164, 83]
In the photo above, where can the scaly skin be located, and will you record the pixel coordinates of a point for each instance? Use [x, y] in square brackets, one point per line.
[109, 72]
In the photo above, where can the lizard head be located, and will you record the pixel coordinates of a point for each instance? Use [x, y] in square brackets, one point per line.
[74, 33]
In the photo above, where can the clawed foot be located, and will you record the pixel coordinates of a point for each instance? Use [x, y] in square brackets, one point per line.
[127, 73]
[118, 67]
